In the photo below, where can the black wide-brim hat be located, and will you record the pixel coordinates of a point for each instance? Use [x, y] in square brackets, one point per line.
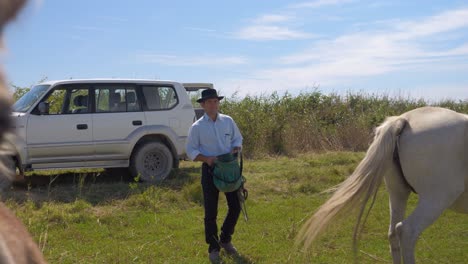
[208, 94]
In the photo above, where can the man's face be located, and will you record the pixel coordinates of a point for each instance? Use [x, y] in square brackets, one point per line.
[211, 106]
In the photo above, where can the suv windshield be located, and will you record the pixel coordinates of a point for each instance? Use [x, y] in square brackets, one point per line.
[26, 101]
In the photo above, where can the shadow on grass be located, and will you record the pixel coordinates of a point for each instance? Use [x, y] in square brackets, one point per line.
[95, 187]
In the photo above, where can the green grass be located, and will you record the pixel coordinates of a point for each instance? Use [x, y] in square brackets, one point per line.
[105, 218]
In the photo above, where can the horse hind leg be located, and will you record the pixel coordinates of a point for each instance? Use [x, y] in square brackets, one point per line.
[430, 206]
[399, 192]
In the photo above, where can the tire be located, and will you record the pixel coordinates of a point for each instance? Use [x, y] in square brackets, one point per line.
[151, 162]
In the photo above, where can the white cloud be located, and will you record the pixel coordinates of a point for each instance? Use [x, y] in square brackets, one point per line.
[437, 93]
[172, 60]
[38, 3]
[267, 19]
[444, 22]
[332, 18]
[271, 27]
[379, 52]
[458, 51]
[319, 3]
[270, 32]
[399, 46]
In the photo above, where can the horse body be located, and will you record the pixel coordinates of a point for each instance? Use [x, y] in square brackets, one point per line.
[424, 150]
[433, 150]
[16, 245]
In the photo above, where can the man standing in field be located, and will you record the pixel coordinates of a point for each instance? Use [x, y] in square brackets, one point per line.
[212, 135]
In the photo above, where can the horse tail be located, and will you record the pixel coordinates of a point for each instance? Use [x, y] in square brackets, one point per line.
[358, 188]
[7, 162]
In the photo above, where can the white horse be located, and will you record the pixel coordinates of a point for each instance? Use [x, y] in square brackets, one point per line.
[424, 150]
[16, 245]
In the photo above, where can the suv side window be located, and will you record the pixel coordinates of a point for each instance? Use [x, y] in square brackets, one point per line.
[56, 102]
[65, 100]
[160, 97]
[79, 101]
[116, 99]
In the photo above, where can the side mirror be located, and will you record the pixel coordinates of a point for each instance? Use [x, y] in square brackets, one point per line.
[43, 108]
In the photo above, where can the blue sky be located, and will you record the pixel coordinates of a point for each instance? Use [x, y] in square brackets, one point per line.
[399, 48]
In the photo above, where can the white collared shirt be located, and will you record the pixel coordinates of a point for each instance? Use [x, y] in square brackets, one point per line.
[213, 138]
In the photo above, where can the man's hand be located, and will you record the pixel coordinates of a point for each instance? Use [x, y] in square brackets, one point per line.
[210, 161]
[235, 150]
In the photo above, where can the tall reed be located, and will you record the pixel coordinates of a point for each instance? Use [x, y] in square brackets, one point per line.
[284, 124]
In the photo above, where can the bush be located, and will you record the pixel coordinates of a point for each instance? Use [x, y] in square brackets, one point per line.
[286, 125]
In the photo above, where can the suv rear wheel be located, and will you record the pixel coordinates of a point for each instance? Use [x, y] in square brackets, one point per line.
[151, 162]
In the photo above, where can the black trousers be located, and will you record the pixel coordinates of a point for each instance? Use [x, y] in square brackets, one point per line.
[210, 197]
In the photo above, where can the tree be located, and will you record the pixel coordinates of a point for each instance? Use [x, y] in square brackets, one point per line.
[19, 91]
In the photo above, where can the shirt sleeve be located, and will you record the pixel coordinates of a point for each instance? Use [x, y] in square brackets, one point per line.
[193, 143]
[237, 137]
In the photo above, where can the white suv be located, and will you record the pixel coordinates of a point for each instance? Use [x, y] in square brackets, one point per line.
[136, 124]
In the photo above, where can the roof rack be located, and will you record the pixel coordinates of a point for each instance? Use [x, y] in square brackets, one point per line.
[197, 86]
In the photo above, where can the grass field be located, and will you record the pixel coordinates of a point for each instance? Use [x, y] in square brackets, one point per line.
[104, 217]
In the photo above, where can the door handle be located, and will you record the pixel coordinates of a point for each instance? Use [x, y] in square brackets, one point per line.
[137, 122]
[82, 126]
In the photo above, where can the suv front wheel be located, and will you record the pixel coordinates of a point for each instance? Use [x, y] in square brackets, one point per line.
[151, 162]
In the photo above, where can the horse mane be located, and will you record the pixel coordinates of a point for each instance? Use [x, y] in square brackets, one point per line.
[16, 245]
[9, 9]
